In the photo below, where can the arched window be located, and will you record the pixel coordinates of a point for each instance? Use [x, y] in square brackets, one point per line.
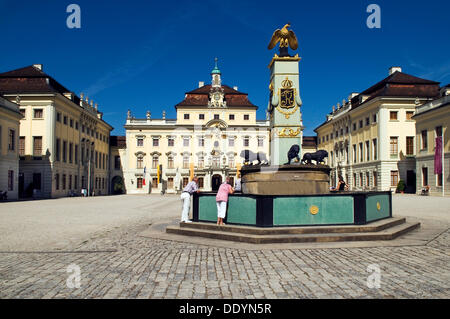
[155, 161]
[140, 161]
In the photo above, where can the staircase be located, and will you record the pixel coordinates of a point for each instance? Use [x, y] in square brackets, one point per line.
[386, 229]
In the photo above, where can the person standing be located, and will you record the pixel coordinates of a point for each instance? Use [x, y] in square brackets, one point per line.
[190, 189]
[342, 185]
[221, 200]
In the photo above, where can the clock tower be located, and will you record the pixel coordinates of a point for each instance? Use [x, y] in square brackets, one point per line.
[216, 95]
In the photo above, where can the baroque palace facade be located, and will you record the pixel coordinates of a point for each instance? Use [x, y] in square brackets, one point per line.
[62, 143]
[214, 124]
[371, 138]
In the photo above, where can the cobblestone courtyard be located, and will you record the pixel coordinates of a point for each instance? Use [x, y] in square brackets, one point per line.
[39, 240]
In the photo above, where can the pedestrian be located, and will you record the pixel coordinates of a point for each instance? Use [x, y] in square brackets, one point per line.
[342, 185]
[190, 189]
[221, 199]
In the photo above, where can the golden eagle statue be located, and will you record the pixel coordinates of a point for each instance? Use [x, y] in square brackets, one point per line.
[285, 37]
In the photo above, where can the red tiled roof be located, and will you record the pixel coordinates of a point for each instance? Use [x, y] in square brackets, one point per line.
[400, 84]
[29, 80]
[200, 97]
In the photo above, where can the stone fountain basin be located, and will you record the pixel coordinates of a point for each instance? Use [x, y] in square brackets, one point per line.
[285, 179]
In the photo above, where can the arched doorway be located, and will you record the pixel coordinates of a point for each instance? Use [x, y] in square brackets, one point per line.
[117, 186]
[215, 182]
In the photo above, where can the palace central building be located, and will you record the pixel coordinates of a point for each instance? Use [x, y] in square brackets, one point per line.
[215, 123]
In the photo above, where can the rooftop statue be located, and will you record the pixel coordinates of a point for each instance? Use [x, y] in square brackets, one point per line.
[286, 38]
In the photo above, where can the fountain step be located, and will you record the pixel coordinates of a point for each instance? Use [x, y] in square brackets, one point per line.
[222, 234]
[372, 227]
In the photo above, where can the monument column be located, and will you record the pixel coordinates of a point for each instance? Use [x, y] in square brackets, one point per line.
[286, 128]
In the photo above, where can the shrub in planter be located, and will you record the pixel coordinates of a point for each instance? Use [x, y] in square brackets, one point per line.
[401, 186]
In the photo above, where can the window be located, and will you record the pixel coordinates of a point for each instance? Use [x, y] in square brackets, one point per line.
[171, 141]
[154, 182]
[367, 121]
[185, 181]
[96, 159]
[58, 117]
[246, 141]
[354, 153]
[246, 117]
[200, 182]
[155, 142]
[37, 146]
[394, 178]
[140, 141]
[260, 142]
[374, 118]
[155, 161]
[354, 179]
[354, 126]
[70, 153]
[38, 113]
[346, 130]
[367, 151]
[117, 162]
[424, 135]
[22, 111]
[186, 141]
[375, 182]
[393, 115]
[438, 131]
[394, 146]
[361, 180]
[170, 182]
[216, 116]
[22, 146]
[439, 180]
[360, 123]
[231, 162]
[201, 116]
[367, 179]
[76, 127]
[64, 181]
[70, 182]
[12, 140]
[57, 181]
[10, 181]
[139, 182]
[231, 142]
[424, 176]
[58, 149]
[409, 115]
[186, 116]
[231, 117]
[65, 120]
[75, 182]
[201, 161]
[361, 152]
[374, 149]
[140, 161]
[76, 154]
[410, 145]
[170, 162]
[185, 162]
[201, 141]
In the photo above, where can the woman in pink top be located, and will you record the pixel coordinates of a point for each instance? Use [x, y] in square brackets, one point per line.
[222, 199]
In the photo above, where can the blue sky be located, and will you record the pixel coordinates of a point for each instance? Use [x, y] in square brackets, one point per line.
[144, 55]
